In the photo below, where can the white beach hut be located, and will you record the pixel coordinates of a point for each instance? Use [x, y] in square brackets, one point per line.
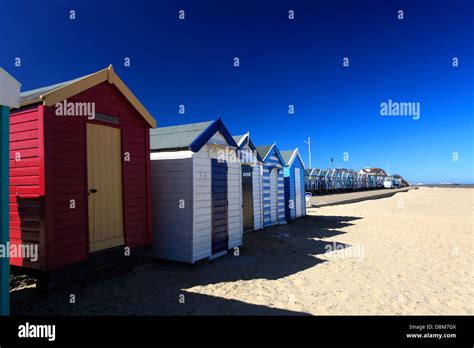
[196, 191]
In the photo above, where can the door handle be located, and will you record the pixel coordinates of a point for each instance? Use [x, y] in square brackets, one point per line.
[93, 190]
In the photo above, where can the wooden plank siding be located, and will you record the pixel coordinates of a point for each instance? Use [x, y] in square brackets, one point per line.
[27, 182]
[257, 196]
[66, 175]
[180, 173]
[202, 202]
[272, 161]
[202, 226]
[172, 181]
[290, 189]
[234, 187]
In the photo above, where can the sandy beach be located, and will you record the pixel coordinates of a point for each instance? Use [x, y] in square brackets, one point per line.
[412, 253]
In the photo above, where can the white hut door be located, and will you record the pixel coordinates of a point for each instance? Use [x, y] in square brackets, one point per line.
[298, 197]
[274, 195]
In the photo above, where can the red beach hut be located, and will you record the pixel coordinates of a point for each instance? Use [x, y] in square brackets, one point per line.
[79, 171]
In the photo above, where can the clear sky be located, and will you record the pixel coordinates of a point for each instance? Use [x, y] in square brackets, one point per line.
[282, 62]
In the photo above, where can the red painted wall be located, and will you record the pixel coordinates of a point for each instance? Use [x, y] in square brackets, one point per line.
[26, 180]
[65, 175]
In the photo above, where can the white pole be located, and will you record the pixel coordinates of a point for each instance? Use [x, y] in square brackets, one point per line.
[309, 151]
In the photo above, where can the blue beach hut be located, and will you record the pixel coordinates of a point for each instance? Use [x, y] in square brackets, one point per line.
[295, 204]
[273, 187]
[325, 176]
[312, 180]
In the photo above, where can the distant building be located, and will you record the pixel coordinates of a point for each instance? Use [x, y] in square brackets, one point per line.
[373, 171]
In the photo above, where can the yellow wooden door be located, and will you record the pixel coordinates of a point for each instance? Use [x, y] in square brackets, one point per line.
[104, 167]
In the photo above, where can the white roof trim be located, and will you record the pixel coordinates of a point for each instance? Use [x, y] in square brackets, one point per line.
[296, 152]
[171, 155]
[269, 151]
[246, 135]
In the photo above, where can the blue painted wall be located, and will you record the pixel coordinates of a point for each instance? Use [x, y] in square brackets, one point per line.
[4, 207]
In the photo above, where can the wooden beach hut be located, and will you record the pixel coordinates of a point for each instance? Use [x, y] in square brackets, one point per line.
[295, 202]
[320, 178]
[315, 180]
[357, 181]
[333, 176]
[79, 171]
[338, 180]
[273, 186]
[367, 178]
[388, 182]
[345, 180]
[325, 176]
[252, 196]
[353, 180]
[196, 191]
[311, 180]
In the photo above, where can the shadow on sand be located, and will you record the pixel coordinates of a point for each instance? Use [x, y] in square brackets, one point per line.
[157, 287]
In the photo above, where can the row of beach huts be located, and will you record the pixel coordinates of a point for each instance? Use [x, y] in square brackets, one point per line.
[84, 183]
[319, 181]
[81, 185]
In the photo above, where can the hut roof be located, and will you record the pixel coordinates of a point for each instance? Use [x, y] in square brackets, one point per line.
[52, 94]
[188, 136]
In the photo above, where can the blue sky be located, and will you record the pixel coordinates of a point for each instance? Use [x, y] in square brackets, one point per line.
[282, 62]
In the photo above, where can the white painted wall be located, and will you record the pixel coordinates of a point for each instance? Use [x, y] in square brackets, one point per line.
[202, 240]
[298, 198]
[202, 234]
[234, 213]
[257, 197]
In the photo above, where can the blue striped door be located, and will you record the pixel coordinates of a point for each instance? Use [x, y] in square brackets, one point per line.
[220, 237]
